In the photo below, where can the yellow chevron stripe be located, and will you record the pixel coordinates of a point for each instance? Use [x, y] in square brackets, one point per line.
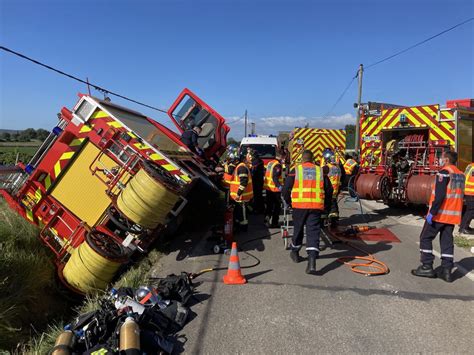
[67, 155]
[57, 168]
[431, 112]
[141, 146]
[99, 114]
[29, 214]
[131, 134]
[76, 142]
[47, 182]
[169, 167]
[38, 195]
[428, 121]
[85, 129]
[115, 124]
[185, 178]
[156, 156]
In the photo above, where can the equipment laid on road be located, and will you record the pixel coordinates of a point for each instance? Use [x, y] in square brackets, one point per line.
[316, 140]
[108, 181]
[401, 147]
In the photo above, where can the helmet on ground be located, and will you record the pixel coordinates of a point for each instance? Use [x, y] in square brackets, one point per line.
[144, 291]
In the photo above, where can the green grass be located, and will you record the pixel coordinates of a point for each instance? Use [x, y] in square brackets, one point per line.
[26, 275]
[464, 242]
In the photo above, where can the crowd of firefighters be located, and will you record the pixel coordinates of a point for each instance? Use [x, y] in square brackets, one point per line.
[311, 189]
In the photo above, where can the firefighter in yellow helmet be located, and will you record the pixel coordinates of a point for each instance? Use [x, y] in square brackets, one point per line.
[333, 171]
[230, 162]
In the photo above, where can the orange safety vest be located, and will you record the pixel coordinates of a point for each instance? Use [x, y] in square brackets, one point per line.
[450, 211]
[308, 189]
[469, 183]
[268, 183]
[349, 166]
[227, 177]
[247, 193]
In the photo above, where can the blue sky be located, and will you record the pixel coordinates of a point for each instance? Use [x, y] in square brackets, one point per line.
[284, 61]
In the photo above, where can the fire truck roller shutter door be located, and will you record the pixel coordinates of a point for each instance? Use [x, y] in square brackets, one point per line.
[94, 263]
[149, 196]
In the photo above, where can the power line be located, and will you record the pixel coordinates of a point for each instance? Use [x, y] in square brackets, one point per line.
[418, 44]
[97, 87]
[341, 96]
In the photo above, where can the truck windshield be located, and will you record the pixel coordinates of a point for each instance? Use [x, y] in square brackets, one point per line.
[265, 151]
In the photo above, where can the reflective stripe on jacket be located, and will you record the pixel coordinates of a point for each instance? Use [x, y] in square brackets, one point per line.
[268, 183]
[235, 186]
[469, 183]
[308, 189]
[450, 211]
[334, 176]
[349, 166]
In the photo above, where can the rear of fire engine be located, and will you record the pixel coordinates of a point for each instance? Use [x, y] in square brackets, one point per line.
[401, 147]
[108, 181]
[316, 140]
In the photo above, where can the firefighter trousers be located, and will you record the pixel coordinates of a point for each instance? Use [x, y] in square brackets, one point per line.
[312, 220]
[468, 213]
[273, 208]
[427, 236]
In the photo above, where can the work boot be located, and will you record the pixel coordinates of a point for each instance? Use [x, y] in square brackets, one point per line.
[445, 273]
[466, 231]
[295, 255]
[424, 270]
[311, 267]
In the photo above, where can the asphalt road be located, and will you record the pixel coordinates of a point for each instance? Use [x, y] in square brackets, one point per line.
[282, 310]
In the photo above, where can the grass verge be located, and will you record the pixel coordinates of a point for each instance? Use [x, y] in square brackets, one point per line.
[464, 242]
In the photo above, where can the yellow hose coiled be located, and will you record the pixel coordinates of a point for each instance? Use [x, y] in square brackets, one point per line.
[87, 270]
[146, 200]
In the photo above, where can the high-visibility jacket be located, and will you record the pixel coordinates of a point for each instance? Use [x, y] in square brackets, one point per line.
[268, 183]
[450, 211]
[349, 166]
[308, 189]
[334, 176]
[228, 171]
[235, 186]
[469, 183]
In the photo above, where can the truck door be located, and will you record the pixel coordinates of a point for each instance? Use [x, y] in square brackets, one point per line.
[465, 138]
[189, 111]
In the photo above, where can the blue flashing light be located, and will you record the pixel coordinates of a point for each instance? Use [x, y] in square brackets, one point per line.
[29, 169]
[57, 131]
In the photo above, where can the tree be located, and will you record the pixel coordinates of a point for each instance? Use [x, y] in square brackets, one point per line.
[6, 136]
[350, 136]
[41, 134]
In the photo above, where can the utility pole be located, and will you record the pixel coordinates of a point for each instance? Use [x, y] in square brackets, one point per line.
[359, 99]
[253, 128]
[246, 124]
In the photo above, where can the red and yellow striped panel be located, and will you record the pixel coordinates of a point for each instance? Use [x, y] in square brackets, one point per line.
[316, 140]
[442, 128]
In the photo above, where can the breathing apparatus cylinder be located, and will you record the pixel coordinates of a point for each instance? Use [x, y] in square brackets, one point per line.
[130, 337]
[63, 344]
[228, 224]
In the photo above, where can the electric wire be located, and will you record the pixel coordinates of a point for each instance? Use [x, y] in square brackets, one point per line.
[418, 44]
[341, 96]
[95, 86]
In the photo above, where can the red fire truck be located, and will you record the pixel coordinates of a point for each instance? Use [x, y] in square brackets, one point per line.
[108, 181]
[401, 147]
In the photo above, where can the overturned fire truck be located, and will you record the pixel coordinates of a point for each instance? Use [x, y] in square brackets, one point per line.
[401, 147]
[108, 181]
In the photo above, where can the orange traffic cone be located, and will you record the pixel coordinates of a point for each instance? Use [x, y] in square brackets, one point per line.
[234, 276]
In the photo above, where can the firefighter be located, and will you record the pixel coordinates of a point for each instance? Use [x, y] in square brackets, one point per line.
[230, 162]
[241, 192]
[350, 168]
[257, 170]
[445, 210]
[469, 201]
[190, 140]
[273, 186]
[307, 190]
[333, 172]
